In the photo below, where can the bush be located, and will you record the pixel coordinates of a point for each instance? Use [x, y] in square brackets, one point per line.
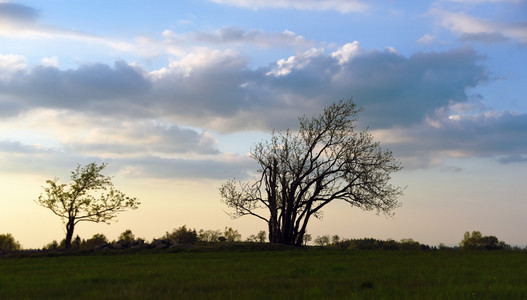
[96, 241]
[8, 243]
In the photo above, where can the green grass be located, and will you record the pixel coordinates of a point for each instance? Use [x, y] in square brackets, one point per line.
[285, 274]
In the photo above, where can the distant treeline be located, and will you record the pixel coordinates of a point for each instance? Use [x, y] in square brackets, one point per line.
[184, 237]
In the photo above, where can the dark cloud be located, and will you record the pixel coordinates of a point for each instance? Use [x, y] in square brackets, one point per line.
[218, 89]
[484, 37]
[32, 159]
[95, 88]
[230, 34]
[128, 138]
[16, 147]
[13, 12]
[500, 135]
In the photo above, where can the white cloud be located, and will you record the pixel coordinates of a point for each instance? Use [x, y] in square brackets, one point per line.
[298, 62]
[484, 1]
[50, 62]
[347, 52]
[463, 23]
[342, 6]
[12, 62]
[426, 39]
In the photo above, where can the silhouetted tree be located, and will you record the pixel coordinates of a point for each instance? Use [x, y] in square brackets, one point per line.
[476, 241]
[257, 238]
[8, 243]
[302, 172]
[322, 240]
[182, 235]
[209, 235]
[232, 235]
[95, 241]
[76, 202]
[261, 236]
[126, 238]
[307, 238]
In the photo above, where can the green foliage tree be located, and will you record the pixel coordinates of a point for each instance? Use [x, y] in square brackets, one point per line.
[261, 236]
[301, 172]
[95, 241]
[126, 238]
[257, 238]
[322, 240]
[8, 243]
[182, 235]
[209, 235]
[307, 238]
[232, 235]
[476, 241]
[90, 197]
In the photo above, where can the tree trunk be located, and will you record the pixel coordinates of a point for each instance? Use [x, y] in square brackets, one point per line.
[69, 233]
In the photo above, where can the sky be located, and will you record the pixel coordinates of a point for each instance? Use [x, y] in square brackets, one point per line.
[173, 94]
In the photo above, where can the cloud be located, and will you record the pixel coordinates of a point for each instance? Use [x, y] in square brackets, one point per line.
[480, 29]
[22, 158]
[217, 90]
[342, 6]
[125, 139]
[484, 1]
[16, 13]
[181, 44]
[235, 35]
[97, 88]
[426, 39]
[502, 135]
[158, 167]
[20, 21]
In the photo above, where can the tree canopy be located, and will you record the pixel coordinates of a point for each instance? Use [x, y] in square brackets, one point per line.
[90, 197]
[302, 171]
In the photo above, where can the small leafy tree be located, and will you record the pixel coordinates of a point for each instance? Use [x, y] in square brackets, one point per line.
[127, 238]
[8, 243]
[209, 235]
[257, 238]
[307, 238]
[322, 240]
[95, 241]
[54, 245]
[232, 235]
[261, 236]
[78, 201]
[476, 241]
[182, 235]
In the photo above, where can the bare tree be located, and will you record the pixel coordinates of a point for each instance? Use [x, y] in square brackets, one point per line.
[303, 171]
[76, 202]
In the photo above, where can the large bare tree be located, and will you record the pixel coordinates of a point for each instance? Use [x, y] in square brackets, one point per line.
[90, 197]
[302, 171]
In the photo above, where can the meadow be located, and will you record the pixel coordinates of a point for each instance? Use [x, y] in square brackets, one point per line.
[312, 273]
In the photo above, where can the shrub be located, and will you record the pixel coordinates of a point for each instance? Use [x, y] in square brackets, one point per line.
[95, 241]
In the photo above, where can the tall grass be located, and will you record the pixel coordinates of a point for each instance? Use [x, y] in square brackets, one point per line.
[287, 274]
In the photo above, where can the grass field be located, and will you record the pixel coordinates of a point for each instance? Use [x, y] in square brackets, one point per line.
[280, 274]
